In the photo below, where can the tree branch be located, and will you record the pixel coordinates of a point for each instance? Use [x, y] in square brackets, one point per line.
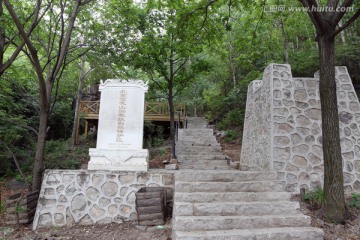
[20, 125]
[339, 15]
[347, 23]
[65, 45]
[16, 163]
[314, 15]
[181, 65]
[33, 52]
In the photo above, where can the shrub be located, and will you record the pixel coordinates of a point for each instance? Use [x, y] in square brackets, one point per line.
[355, 200]
[315, 198]
[231, 135]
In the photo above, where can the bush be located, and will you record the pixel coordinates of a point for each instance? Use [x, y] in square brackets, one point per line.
[2, 207]
[315, 198]
[234, 118]
[57, 155]
[355, 200]
[231, 135]
[153, 135]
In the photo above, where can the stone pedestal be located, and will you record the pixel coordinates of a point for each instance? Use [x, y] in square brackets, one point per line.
[120, 130]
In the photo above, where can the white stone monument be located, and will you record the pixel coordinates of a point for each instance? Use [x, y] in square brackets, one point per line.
[120, 130]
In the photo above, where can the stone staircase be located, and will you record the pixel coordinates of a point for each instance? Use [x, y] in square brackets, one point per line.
[214, 201]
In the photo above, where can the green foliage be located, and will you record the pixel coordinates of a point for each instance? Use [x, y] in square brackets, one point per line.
[355, 200]
[231, 135]
[58, 156]
[153, 135]
[19, 209]
[2, 206]
[315, 198]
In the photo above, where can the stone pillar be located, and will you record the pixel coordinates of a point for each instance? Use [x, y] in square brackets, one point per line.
[120, 130]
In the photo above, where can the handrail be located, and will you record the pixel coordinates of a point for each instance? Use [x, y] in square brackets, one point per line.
[176, 138]
[151, 108]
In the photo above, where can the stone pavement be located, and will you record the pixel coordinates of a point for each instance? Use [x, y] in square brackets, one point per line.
[215, 201]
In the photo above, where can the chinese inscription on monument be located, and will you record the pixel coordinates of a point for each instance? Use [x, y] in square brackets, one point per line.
[121, 116]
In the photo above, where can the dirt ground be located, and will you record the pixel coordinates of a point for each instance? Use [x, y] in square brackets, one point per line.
[348, 231]
[125, 231]
[113, 231]
[130, 231]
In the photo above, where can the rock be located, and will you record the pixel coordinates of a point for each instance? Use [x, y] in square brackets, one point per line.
[109, 189]
[300, 161]
[301, 149]
[173, 161]
[313, 113]
[345, 117]
[295, 138]
[303, 121]
[282, 128]
[172, 166]
[281, 140]
[300, 95]
[92, 193]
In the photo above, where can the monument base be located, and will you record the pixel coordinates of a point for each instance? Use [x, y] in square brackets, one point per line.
[118, 160]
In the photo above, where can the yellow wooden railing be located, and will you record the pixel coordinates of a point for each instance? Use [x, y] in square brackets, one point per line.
[153, 110]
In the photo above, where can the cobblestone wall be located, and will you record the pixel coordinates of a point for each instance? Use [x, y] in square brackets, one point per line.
[83, 197]
[295, 128]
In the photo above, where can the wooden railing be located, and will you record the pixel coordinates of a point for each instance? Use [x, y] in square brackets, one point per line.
[162, 108]
[152, 109]
[89, 107]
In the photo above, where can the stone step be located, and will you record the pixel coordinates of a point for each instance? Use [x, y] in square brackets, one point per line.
[190, 152]
[197, 144]
[195, 131]
[226, 176]
[214, 162]
[209, 197]
[187, 223]
[198, 149]
[223, 166]
[199, 136]
[257, 186]
[286, 233]
[201, 157]
[197, 126]
[196, 134]
[236, 208]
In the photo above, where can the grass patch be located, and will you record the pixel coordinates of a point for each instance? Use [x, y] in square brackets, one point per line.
[355, 200]
[315, 198]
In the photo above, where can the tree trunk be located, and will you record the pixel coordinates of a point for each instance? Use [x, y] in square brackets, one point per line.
[334, 207]
[171, 108]
[170, 94]
[2, 35]
[286, 52]
[78, 99]
[172, 117]
[39, 156]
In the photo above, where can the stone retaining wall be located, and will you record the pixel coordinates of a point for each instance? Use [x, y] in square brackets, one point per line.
[83, 197]
[294, 131]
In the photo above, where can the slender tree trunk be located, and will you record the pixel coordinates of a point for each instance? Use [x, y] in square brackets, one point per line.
[171, 108]
[232, 64]
[170, 94]
[286, 51]
[334, 207]
[342, 34]
[2, 35]
[78, 99]
[40, 149]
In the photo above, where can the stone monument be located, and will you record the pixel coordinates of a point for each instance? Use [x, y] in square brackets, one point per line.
[120, 130]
